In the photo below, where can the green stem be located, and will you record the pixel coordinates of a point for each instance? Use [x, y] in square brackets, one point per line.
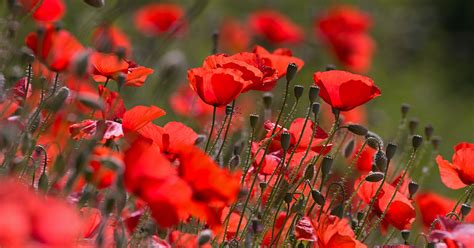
[212, 128]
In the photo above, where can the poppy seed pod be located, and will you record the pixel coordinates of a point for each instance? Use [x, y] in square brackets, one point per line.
[315, 108]
[57, 101]
[285, 140]
[413, 126]
[288, 198]
[429, 130]
[390, 150]
[313, 93]
[253, 120]
[405, 108]
[374, 140]
[417, 140]
[298, 91]
[267, 100]
[357, 129]
[381, 160]
[374, 177]
[330, 67]
[228, 109]
[95, 3]
[405, 234]
[204, 237]
[326, 165]
[435, 142]
[309, 172]
[465, 209]
[412, 188]
[291, 71]
[43, 182]
[349, 148]
[318, 197]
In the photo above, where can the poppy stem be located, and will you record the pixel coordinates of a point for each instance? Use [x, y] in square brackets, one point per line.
[29, 78]
[226, 129]
[212, 127]
[466, 193]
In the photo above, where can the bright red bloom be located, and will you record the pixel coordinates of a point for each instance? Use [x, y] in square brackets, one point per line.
[334, 232]
[304, 230]
[158, 18]
[459, 173]
[278, 59]
[345, 29]
[107, 65]
[56, 49]
[47, 11]
[401, 212]
[275, 27]
[344, 90]
[234, 36]
[366, 158]
[108, 38]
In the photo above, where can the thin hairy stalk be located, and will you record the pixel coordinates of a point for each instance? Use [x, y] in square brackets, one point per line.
[212, 128]
[226, 130]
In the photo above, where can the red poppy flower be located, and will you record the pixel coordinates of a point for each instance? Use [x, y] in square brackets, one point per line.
[47, 11]
[275, 27]
[332, 231]
[278, 59]
[401, 212]
[185, 102]
[304, 230]
[344, 28]
[107, 66]
[232, 223]
[139, 117]
[56, 49]
[108, 38]
[159, 18]
[344, 90]
[459, 173]
[87, 129]
[366, 158]
[234, 36]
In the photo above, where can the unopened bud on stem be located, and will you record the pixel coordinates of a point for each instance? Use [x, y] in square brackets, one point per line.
[298, 91]
[313, 93]
[291, 71]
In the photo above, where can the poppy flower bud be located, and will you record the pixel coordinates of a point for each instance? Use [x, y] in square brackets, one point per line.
[95, 3]
[318, 197]
[199, 139]
[228, 109]
[349, 148]
[120, 52]
[465, 209]
[285, 140]
[234, 161]
[360, 215]
[330, 67]
[405, 234]
[413, 126]
[412, 188]
[288, 198]
[256, 226]
[390, 150]
[204, 237]
[315, 108]
[381, 160]
[253, 120]
[326, 165]
[267, 100]
[121, 79]
[263, 185]
[338, 211]
[309, 172]
[298, 91]
[57, 101]
[91, 102]
[291, 71]
[27, 56]
[313, 93]
[374, 177]
[81, 63]
[357, 129]
[109, 204]
[374, 140]
[43, 182]
[429, 130]
[417, 140]
[435, 142]
[405, 108]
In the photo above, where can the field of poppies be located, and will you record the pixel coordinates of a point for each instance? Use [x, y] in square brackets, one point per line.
[201, 123]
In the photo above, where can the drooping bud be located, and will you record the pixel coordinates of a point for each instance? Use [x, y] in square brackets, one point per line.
[381, 161]
[374, 140]
[81, 63]
[253, 120]
[291, 71]
[288, 198]
[309, 172]
[349, 148]
[390, 150]
[412, 188]
[285, 140]
[465, 209]
[338, 211]
[95, 3]
[204, 237]
[315, 108]
[229, 109]
[57, 101]
[313, 93]
[357, 129]
[405, 108]
[405, 234]
[435, 142]
[429, 130]
[374, 177]
[413, 126]
[267, 100]
[326, 165]
[417, 140]
[91, 101]
[330, 67]
[215, 41]
[43, 182]
[318, 197]
[298, 91]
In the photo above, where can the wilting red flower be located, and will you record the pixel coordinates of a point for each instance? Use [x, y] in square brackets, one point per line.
[158, 18]
[47, 11]
[234, 36]
[332, 231]
[87, 129]
[56, 49]
[401, 212]
[433, 206]
[108, 38]
[459, 173]
[453, 234]
[344, 90]
[345, 29]
[278, 59]
[304, 230]
[275, 27]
